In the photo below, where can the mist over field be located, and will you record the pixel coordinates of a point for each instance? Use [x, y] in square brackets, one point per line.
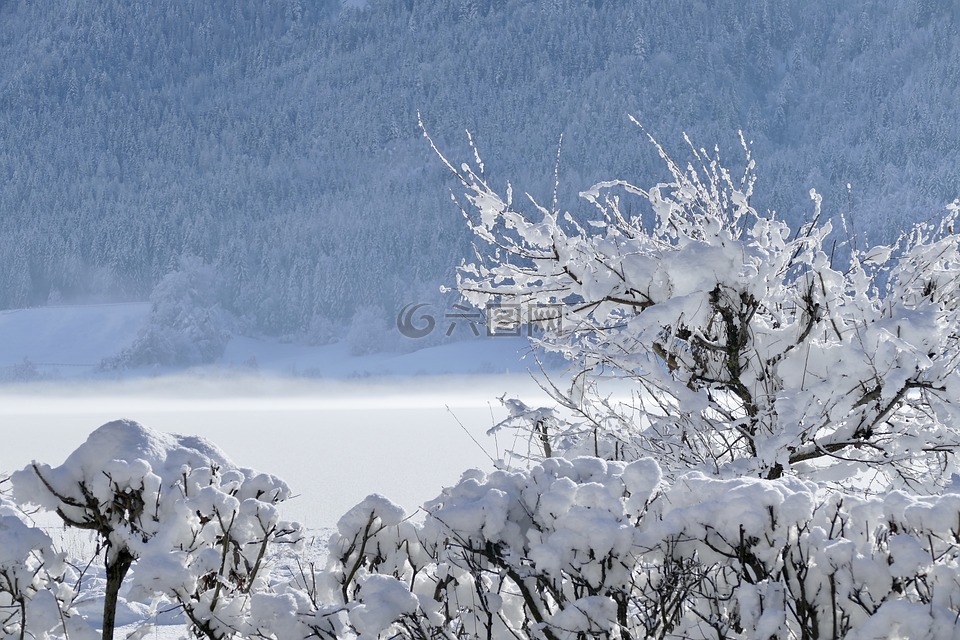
[331, 440]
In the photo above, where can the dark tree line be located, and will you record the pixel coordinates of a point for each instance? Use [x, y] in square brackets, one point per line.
[278, 141]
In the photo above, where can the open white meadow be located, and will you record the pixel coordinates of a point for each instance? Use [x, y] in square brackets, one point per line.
[333, 442]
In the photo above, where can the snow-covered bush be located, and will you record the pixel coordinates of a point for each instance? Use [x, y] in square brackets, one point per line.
[216, 557]
[570, 548]
[36, 599]
[753, 351]
[187, 325]
[197, 526]
[777, 391]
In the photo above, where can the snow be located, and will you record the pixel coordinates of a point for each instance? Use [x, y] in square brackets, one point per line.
[329, 440]
[383, 599]
[361, 453]
[314, 416]
[344, 418]
[591, 615]
[371, 507]
[70, 339]
[127, 452]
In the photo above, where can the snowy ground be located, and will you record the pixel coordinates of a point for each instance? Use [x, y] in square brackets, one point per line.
[68, 340]
[333, 441]
[319, 417]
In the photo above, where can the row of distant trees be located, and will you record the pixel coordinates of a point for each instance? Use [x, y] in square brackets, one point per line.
[278, 141]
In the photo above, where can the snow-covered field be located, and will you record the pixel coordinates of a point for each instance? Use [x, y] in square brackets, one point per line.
[68, 340]
[325, 420]
[336, 432]
[333, 441]
[71, 341]
[328, 422]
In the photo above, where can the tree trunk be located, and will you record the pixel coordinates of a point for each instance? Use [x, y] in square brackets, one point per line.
[116, 571]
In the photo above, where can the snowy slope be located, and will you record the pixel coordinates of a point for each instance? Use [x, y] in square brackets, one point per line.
[71, 341]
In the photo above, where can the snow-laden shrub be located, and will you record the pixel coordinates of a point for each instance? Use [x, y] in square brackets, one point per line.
[36, 599]
[569, 548]
[587, 548]
[544, 553]
[198, 527]
[766, 376]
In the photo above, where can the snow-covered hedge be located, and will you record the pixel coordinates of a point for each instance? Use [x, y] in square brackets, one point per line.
[588, 548]
[569, 548]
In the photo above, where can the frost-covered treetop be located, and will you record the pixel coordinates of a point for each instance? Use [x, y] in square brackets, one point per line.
[128, 440]
[754, 348]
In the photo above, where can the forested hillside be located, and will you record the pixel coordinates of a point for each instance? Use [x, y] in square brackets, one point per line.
[278, 141]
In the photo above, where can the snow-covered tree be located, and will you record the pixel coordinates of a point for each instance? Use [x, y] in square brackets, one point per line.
[187, 324]
[775, 393]
[752, 348]
[198, 527]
